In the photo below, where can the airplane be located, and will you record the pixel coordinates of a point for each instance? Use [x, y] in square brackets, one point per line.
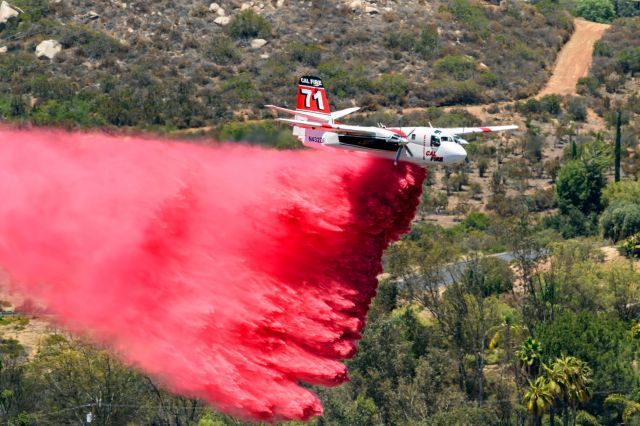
[317, 127]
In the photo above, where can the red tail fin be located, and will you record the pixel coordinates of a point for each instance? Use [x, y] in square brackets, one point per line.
[311, 96]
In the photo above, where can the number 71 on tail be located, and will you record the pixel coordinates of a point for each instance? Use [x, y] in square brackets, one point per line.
[317, 127]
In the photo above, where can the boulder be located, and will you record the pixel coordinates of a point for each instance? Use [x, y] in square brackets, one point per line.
[222, 20]
[48, 49]
[258, 43]
[355, 5]
[7, 12]
[217, 9]
[4, 49]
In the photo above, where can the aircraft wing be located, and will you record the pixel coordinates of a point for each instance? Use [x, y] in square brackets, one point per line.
[467, 130]
[320, 118]
[335, 128]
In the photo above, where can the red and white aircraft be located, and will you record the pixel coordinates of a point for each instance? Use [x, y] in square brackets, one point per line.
[315, 126]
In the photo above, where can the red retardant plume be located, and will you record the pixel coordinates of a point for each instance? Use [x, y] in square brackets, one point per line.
[228, 273]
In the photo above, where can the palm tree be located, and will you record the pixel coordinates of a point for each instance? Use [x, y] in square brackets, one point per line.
[537, 399]
[581, 390]
[529, 356]
[570, 380]
[630, 407]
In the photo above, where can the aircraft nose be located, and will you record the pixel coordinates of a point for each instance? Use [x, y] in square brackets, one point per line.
[452, 152]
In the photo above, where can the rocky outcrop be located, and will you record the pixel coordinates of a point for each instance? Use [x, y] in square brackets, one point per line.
[258, 43]
[222, 20]
[48, 49]
[7, 12]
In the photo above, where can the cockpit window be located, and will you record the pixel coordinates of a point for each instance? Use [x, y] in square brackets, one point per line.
[435, 140]
[444, 139]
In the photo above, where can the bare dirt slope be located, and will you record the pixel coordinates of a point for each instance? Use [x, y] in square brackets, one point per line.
[572, 64]
[574, 59]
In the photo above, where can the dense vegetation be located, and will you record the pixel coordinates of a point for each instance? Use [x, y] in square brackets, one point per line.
[156, 65]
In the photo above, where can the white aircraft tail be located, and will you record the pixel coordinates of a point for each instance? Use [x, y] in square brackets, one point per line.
[312, 106]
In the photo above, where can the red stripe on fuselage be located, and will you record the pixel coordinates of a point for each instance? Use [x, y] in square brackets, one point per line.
[398, 132]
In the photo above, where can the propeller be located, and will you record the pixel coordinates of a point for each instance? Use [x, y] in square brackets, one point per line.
[404, 145]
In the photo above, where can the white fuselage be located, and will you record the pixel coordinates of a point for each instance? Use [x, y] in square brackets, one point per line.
[428, 145]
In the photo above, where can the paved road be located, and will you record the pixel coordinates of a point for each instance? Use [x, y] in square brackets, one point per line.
[456, 269]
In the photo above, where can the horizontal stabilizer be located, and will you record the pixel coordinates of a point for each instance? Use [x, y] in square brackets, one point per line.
[339, 114]
[334, 128]
[313, 116]
[487, 129]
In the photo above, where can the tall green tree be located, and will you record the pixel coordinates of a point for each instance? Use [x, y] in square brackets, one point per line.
[530, 356]
[569, 379]
[630, 408]
[579, 186]
[595, 10]
[618, 146]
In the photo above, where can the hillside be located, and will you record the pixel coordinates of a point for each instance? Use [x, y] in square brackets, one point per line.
[165, 65]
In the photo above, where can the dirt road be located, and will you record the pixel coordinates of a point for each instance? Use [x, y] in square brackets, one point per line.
[574, 59]
[572, 64]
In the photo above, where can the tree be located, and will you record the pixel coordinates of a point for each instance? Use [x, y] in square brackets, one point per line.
[570, 379]
[617, 147]
[530, 356]
[74, 378]
[601, 340]
[579, 185]
[537, 399]
[630, 408]
[595, 10]
[626, 8]
[621, 220]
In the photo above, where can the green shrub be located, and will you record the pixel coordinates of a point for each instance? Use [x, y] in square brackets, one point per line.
[477, 220]
[595, 10]
[448, 92]
[429, 42]
[577, 109]
[493, 275]
[488, 79]
[588, 85]
[630, 247]
[248, 24]
[91, 44]
[602, 48]
[241, 86]
[34, 10]
[579, 185]
[401, 40]
[471, 15]
[344, 81]
[393, 86]
[621, 220]
[551, 104]
[222, 50]
[626, 190]
[625, 8]
[629, 60]
[307, 54]
[456, 66]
